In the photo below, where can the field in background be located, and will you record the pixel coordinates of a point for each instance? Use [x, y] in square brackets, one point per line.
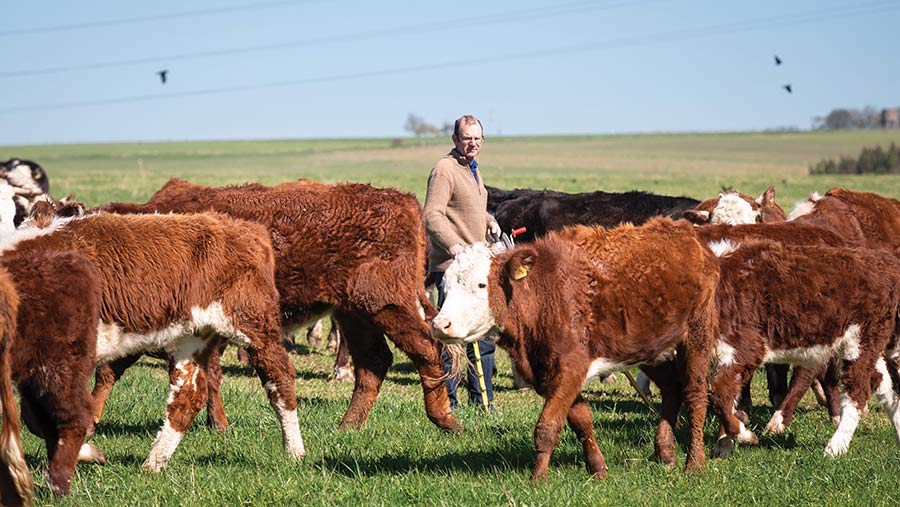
[402, 459]
[696, 165]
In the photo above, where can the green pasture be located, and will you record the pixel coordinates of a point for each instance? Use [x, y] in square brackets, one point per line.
[400, 458]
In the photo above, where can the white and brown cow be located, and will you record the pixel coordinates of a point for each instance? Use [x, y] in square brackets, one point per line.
[732, 207]
[807, 305]
[588, 301]
[180, 283]
[351, 249]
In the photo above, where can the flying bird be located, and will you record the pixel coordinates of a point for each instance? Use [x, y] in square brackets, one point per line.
[788, 88]
[162, 75]
[777, 60]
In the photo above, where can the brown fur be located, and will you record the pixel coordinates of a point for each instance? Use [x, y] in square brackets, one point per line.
[54, 352]
[153, 269]
[864, 218]
[819, 292]
[351, 246]
[782, 395]
[627, 295]
[16, 485]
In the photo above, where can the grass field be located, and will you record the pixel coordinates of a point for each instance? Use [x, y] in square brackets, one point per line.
[402, 459]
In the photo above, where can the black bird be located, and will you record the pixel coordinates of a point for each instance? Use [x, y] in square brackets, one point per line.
[162, 75]
[777, 60]
[788, 88]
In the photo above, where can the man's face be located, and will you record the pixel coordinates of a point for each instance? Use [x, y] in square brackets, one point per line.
[469, 140]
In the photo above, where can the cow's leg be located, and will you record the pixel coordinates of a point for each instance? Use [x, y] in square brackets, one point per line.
[105, 378]
[666, 378]
[801, 380]
[187, 395]
[582, 424]
[855, 378]
[696, 393]
[777, 383]
[725, 386]
[409, 331]
[343, 371]
[829, 382]
[215, 409]
[888, 393]
[314, 334]
[371, 360]
[557, 403]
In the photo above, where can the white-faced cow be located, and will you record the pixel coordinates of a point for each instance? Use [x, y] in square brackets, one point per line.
[588, 301]
[29, 182]
[350, 249]
[732, 207]
[180, 283]
[807, 305]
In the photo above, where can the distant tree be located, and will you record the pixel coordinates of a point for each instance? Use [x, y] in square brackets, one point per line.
[418, 126]
[839, 119]
[447, 128]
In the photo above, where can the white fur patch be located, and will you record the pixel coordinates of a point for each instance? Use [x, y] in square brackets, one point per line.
[840, 441]
[723, 247]
[804, 208]
[290, 431]
[113, 342]
[724, 352]
[776, 423]
[888, 398]
[600, 367]
[845, 347]
[293, 328]
[28, 231]
[732, 209]
[164, 446]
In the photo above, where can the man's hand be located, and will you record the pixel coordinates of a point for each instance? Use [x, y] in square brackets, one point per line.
[494, 229]
[456, 249]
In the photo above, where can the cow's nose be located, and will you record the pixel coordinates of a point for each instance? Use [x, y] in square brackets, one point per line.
[441, 324]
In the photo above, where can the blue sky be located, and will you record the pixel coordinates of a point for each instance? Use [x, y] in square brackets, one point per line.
[262, 69]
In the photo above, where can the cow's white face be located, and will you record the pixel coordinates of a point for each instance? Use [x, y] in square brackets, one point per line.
[7, 208]
[466, 316]
[732, 209]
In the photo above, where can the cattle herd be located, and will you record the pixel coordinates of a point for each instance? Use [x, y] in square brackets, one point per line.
[698, 295]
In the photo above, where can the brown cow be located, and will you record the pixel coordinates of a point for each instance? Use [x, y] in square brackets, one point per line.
[585, 302]
[16, 485]
[180, 282]
[58, 317]
[863, 218]
[806, 305]
[352, 249]
[783, 396]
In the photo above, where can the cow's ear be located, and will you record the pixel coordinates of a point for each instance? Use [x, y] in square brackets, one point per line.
[519, 264]
[696, 216]
[767, 198]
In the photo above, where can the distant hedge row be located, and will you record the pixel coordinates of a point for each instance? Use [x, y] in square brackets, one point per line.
[871, 161]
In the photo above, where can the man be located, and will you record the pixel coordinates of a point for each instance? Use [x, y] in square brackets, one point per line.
[455, 216]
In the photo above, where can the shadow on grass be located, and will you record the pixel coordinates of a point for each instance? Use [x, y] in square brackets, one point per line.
[488, 461]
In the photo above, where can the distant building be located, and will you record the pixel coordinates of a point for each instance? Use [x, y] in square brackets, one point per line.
[890, 118]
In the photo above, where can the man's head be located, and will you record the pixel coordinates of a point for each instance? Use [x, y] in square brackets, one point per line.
[468, 136]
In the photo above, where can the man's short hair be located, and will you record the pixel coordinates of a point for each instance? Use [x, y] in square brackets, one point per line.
[466, 120]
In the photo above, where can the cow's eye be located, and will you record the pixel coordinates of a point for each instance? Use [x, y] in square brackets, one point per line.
[482, 285]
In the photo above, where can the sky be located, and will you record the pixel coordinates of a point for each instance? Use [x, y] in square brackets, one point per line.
[86, 72]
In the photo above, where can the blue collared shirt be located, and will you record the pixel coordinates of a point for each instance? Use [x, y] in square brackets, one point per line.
[472, 167]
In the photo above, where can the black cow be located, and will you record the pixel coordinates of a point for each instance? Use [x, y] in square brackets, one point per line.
[542, 211]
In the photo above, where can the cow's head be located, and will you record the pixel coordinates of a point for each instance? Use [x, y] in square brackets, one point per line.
[735, 208]
[465, 316]
[7, 208]
[30, 183]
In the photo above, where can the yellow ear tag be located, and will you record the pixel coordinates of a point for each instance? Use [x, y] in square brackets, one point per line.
[520, 273]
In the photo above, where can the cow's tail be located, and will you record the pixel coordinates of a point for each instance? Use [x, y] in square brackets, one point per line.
[15, 470]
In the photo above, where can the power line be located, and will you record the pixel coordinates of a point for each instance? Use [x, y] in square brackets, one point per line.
[154, 17]
[452, 24]
[674, 36]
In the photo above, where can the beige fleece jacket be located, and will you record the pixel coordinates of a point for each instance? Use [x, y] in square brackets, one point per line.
[455, 209]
